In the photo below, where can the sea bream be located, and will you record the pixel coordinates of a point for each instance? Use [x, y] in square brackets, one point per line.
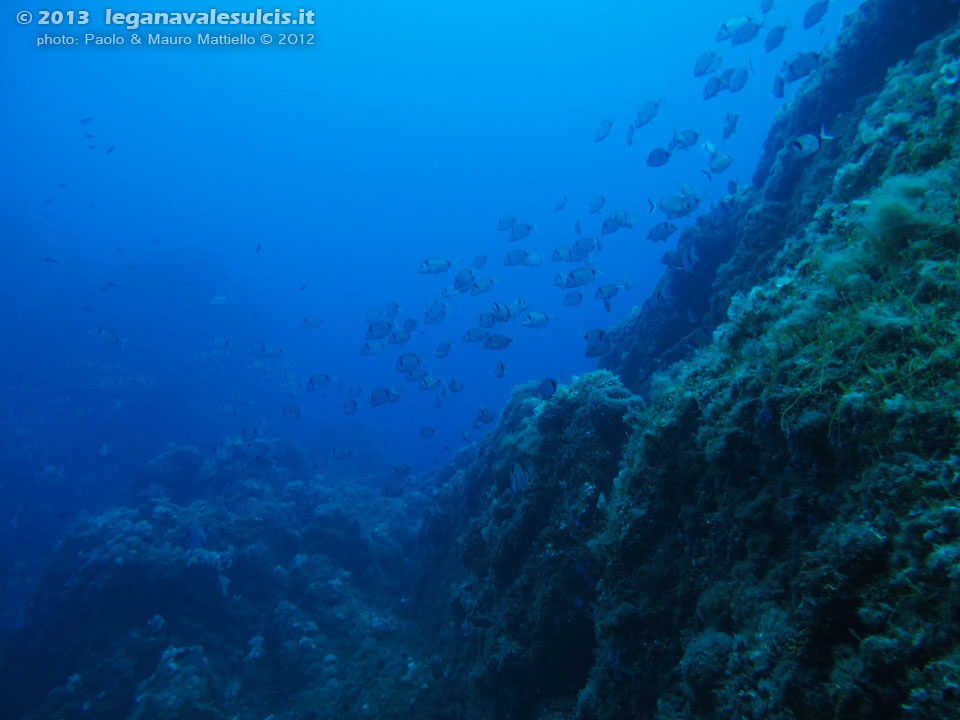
[774, 39]
[808, 144]
[676, 206]
[658, 157]
[576, 278]
[799, 65]
[435, 266]
[603, 130]
[707, 63]
[815, 13]
[730, 125]
[647, 112]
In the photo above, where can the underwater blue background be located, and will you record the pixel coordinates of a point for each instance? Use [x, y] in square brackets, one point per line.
[246, 174]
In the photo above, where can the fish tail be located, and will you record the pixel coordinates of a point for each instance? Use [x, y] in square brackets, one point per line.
[823, 133]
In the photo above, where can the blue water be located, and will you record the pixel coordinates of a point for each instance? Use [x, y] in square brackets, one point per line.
[404, 133]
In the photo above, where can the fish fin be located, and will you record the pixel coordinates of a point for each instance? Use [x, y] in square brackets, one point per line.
[652, 206]
[707, 173]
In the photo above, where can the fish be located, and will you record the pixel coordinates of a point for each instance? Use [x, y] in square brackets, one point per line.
[535, 320]
[576, 227]
[574, 297]
[409, 361]
[427, 432]
[505, 222]
[603, 130]
[264, 350]
[746, 32]
[605, 292]
[594, 336]
[532, 260]
[486, 320]
[496, 342]
[520, 230]
[518, 306]
[774, 38]
[292, 411]
[561, 254]
[720, 162]
[499, 369]
[799, 65]
[596, 204]
[707, 63]
[378, 330]
[658, 157]
[107, 336]
[616, 221]
[684, 139]
[594, 351]
[585, 245]
[341, 453]
[435, 266]
[454, 385]
[409, 325]
[730, 27]
[815, 13]
[51, 260]
[483, 285]
[730, 125]
[399, 337]
[737, 79]
[808, 144]
[311, 322]
[778, 86]
[560, 203]
[517, 256]
[647, 112]
[435, 312]
[464, 280]
[713, 87]
[474, 335]
[84, 121]
[429, 382]
[500, 312]
[484, 416]
[578, 277]
[548, 388]
[676, 206]
[318, 382]
[371, 348]
[478, 262]
[518, 480]
[415, 375]
[661, 231]
[381, 396]
[349, 406]
[766, 6]
[629, 135]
